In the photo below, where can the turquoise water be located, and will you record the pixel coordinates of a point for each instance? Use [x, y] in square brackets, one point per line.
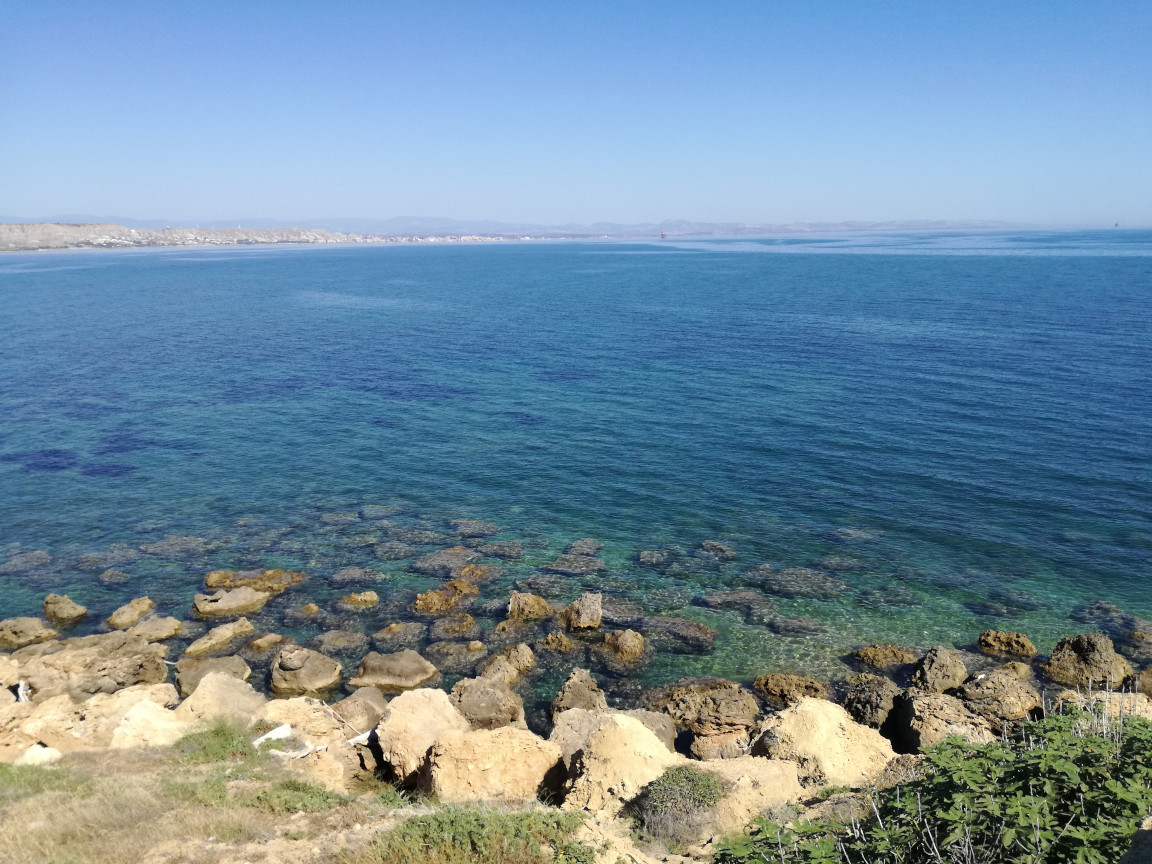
[956, 427]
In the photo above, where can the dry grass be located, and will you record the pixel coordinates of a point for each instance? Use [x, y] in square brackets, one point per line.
[148, 806]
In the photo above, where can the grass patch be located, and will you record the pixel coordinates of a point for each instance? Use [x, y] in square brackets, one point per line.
[18, 782]
[464, 835]
[209, 792]
[291, 795]
[219, 743]
[673, 807]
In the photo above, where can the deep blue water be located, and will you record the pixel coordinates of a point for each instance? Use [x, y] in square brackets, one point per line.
[958, 427]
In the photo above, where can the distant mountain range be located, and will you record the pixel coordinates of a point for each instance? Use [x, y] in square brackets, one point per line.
[404, 226]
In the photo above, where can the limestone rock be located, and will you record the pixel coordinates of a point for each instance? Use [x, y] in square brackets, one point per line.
[220, 697]
[394, 673]
[66, 725]
[266, 581]
[487, 703]
[884, 655]
[525, 606]
[575, 565]
[558, 642]
[510, 664]
[920, 719]
[362, 710]
[477, 572]
[508, 763]
[681, 634]
[147, 724]
[361, 600]
[444, 561]
[829, 747]
[503, 549]
[455, 658]
[219, 638]
[620, 757]
[190, 671]
[1001, 698]
[416, 720]
[156, 629]
[340, 642]
[38, 754]
[225, 603]
[755, 786]
[869, 701]
[300, 671]
[60, 610]
[130, 613]
[785, 689]
[1114, 704]
[585, 613]
[9, 672]
[939, 670]
[265, 643]
[18, 633]
[622, 648]
[579, 691]
[721, 745]
[85, 665]
[407, 634]
[1087, 659]
[998, 643]
[707, 706]
[660, 725]
[442, 600]
[454, 627]
[584, 546]
[718, 550]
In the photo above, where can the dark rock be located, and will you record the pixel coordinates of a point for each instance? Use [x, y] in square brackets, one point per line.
[616, 611]
[884, 655]
[997, 643]
[405, 634]
[512, 631]
[939, 670]
[575, 565]
[782, 689]
[869, 699]
[754, 606]
[585, 546]
[444, 561]
[340, 642]
[456, 658]
[800, 626]
[1088, 659]
[796, 582]
[509, 549]
[455, 627]
[718, 550]
[579, 691]
[680, 633]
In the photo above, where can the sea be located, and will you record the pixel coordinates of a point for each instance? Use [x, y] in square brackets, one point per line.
[906, 438]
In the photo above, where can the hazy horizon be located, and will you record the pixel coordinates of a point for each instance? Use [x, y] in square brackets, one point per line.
[1029, 114]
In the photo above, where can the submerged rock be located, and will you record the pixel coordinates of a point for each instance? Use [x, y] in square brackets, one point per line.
[442, 600]
[455, 627]
[575, 565]
[798, 582]
[718, 550]
[401, 634]
[444, 561]
[267, 581]
[584, 546]
[178, 547]
[26, 561]
[681, 633]
[456, 658]
[340, 642]
[655, 558]
[393, 550]
[360, 600]
[755, 607]
[503, 549]
[473, 528]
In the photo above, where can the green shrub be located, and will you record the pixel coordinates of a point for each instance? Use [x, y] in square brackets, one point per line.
[1068, 788]
[673, 807]
[217, 744]
[293, 796]
[461, 835]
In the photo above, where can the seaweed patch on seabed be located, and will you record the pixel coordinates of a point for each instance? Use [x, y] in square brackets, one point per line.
[106, 469]
[35, 461]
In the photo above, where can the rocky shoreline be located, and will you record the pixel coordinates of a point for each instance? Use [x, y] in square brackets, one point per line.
[33, 237]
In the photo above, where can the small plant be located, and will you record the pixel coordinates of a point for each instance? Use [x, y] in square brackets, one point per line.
[293, 796]
[209, 792]
[672, 808]
[218, 744]
[462, 835]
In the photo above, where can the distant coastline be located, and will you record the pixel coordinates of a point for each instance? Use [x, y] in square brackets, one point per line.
[48, 236]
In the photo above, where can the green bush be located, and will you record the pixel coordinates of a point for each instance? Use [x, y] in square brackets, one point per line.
[1069, 788]
[293, 796]
[673, 807]
[461, 835]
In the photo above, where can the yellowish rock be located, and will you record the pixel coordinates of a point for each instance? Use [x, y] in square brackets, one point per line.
[219, 638]
[130, 613]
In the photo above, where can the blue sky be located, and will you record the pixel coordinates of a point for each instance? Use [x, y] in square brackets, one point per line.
[547, 112]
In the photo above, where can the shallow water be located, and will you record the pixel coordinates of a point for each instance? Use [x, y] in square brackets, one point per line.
[956, 426]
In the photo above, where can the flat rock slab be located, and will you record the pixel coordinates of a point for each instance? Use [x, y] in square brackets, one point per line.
[575, 565]
[224, 603]
[394, 673]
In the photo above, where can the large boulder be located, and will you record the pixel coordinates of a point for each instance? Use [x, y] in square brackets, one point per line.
[782, 689]
[508, 764]
[998, 643]
[755, 786]
[622, 649]
[266, 581]
[300, 671]
[920, 719]
[62, 611]
[829, 747]
[416, 720]
[16, 633]
[487, 703]
[154, 628]
[939, 670]
[719, 713]
[585, 613]
[190, 671]
[572, 728]
[130, 613]
[221, 697]
[1001, 698]
[220, 638]
[362, 710]
[884, 655]
[147, 724]
[579, 691]
[85, 665]
[869, 700]
[619, 758]
[525, 607]
[226, 603]
[510, 664]
[394, 673]
[1088, 659]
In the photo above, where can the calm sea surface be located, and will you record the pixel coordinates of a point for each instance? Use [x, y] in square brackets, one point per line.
[954, 430]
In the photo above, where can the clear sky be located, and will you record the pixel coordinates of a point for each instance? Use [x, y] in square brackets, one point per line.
[551, 112]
